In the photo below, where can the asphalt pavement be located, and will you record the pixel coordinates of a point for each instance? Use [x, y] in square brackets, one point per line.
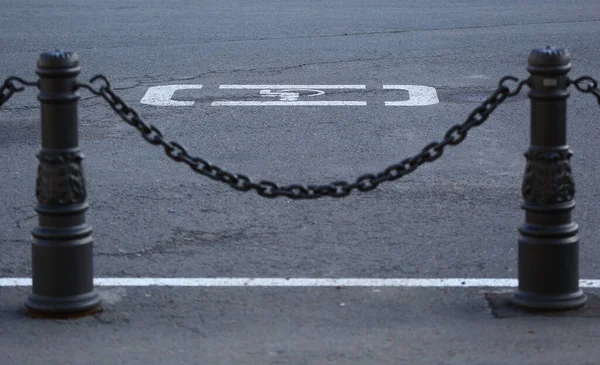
[154, 218]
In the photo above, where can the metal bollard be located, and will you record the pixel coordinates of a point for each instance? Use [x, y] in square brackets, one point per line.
[62, 245]
[548, 268]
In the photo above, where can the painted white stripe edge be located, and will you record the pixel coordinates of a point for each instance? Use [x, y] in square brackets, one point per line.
[299, 282]
[242, 87]
[288, 103]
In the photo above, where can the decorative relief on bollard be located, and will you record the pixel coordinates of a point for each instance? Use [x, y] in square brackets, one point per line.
[62, 246]
[60, 179]
[548, 178]
[548, 242]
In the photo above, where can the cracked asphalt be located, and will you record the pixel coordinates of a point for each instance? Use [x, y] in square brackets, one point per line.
[456, 218]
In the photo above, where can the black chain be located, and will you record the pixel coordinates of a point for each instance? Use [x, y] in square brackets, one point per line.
[337, 189]
[13, 85]
[587, 85]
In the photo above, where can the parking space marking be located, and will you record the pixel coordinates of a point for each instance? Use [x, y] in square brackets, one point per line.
[302, 282]
[318, 87]
[418, 95]
[288, 103]
[289, 95]
[161, 95]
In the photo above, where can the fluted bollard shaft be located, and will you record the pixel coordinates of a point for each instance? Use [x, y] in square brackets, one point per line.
[62, 246]
[548, 268]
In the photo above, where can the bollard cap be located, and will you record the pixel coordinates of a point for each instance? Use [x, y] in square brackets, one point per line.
[58, 59]
[549, 59]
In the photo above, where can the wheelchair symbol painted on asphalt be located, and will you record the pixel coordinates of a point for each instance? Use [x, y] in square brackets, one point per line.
[290, 94]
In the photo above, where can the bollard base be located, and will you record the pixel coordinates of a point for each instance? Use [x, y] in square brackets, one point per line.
[63, 307]
[549, 302]
[49, 315]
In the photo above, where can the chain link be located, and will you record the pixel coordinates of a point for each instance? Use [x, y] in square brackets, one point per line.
[13, 85]
[587, 85]
[336, 189]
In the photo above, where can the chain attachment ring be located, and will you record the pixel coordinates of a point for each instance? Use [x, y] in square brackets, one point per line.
[587, 85]
[13, 85]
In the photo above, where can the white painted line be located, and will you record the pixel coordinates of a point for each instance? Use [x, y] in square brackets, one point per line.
[15, 282]
[290, 95]
[319, 87]
[301, 282]
[161, 95]
[288, 103]
[306, 282]
[418, 95]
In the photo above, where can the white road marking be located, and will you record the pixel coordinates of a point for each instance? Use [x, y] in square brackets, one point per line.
[161, 95]
[288, 103]
[319, 87]
[418, 95]
[290, 94]
[302, 282]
